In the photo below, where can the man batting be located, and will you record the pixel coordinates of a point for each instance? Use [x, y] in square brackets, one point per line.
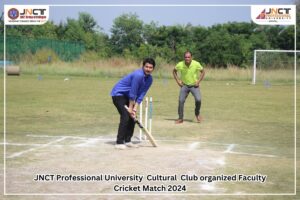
[130, 91]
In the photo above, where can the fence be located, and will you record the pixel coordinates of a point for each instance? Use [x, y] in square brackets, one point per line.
[18, 45]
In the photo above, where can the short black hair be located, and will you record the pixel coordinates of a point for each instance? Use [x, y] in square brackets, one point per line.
[150, 61]
[187, 51]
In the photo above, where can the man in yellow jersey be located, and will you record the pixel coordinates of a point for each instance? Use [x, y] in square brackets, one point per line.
[191, 74]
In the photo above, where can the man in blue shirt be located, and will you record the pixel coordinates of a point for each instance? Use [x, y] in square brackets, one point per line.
[130, 91]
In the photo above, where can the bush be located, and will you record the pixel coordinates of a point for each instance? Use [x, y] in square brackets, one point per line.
[90, 56]
[41, 56]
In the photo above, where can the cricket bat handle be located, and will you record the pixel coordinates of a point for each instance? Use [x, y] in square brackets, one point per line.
[135, 119]
[149, 135]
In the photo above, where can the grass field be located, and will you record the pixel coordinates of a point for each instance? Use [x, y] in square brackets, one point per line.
[67, 126]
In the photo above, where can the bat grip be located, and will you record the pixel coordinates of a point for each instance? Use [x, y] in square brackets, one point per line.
[134, 119]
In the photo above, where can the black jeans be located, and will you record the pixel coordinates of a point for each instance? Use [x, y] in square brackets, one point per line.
[126, 126]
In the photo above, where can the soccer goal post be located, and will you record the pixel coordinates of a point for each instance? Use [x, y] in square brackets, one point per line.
[276, 56]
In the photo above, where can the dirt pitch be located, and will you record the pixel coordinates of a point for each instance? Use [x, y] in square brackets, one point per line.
[79, 156]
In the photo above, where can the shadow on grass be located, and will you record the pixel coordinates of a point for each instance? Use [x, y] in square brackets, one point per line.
[185, 120]
[114, 142]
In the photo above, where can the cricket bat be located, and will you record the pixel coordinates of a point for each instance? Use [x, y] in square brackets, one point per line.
[149, 136]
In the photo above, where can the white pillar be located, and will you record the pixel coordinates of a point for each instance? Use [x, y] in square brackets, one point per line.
[254, 69]
[141, 119]
[150, 114]
[146, 115]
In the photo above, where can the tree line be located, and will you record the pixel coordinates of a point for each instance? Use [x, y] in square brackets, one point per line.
[219, 45]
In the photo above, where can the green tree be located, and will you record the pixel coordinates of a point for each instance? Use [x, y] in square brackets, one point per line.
[212, 49]
[150, 33]
[176, 40]
[221, 48]
[97, 42]
[102, 45]
[60, 30]
[173, 40]
[199, 35]
[280, 37]
[239, 28]
[73, 31]
[127, 32]
[87, 22]
[297, 3]
[2, 23]
[47, 30]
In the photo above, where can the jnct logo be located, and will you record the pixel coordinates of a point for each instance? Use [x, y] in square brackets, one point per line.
[33, 12]
[280, 11]
[30, 13]
[275, 13]
[26, 14]
[13, 13]
[262, 15]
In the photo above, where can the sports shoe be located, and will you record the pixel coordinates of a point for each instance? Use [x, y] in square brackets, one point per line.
[199, 118]
[121, 146]
[130, 144]
[179, 121]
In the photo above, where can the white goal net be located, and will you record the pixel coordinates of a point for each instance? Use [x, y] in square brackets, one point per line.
[274, 65]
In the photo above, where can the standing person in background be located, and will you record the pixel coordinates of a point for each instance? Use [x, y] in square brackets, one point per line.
[191, 74]
[130, 91]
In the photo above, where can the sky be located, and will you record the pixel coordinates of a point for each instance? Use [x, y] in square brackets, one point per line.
[209, 13]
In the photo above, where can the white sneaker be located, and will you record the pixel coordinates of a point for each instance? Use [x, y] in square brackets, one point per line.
[130, 144]
[120, 146]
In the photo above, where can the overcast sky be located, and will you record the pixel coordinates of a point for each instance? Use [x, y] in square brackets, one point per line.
[215, 11]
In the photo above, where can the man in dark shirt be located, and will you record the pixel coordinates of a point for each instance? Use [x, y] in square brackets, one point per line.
[130, 91]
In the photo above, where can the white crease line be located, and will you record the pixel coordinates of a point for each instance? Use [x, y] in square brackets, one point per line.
[162, 140]
[72, 137]
[224, 144]
[20, 144]
[174, 149]
[38, 145]
[30, 135]
[221, 161]
[193, 146]
[88, 142]
[208, 187]
[253, 154]
[229, 148]
[49, 136]
[33, 149]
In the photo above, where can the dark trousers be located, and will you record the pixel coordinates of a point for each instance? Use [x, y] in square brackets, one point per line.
[126, 126]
